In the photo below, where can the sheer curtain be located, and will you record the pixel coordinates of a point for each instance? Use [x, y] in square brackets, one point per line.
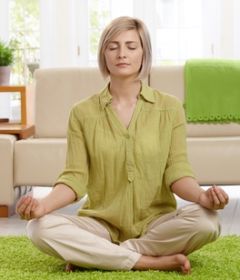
[236, 15]
[221, 28]
[58, 33]
[5, 109]
[4, 19]
[180, 29]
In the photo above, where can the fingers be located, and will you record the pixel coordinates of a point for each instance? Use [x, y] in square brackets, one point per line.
[221, 194]
[24, 207]
[27, 213]
[219, 197]
[210, 195]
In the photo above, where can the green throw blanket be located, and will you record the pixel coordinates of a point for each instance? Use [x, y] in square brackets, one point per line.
[212, 92]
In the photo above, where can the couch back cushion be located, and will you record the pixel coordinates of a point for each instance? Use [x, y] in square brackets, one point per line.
[57, 90]
[170, 79]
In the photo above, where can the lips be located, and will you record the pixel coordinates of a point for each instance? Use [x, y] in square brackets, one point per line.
[122, 64]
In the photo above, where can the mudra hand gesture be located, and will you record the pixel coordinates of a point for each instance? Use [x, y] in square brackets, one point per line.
[214, 198]
[29, 208]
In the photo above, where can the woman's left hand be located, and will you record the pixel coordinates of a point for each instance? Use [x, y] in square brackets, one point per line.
[213, 198]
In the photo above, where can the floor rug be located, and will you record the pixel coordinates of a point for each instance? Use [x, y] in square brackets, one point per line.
[19, 259]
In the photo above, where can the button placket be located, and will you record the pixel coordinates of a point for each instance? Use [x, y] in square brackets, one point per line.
[129, 158]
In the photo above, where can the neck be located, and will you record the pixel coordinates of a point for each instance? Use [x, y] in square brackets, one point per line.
[124, 90]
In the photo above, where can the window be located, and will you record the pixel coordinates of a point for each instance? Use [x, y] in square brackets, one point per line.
[178, 30]
[24, 36]
[70, 30]
[100, 12]
[175, 26]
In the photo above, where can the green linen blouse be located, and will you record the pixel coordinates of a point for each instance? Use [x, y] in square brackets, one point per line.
[126, 172]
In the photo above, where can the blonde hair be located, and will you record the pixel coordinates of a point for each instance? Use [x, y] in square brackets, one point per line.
[115, 27]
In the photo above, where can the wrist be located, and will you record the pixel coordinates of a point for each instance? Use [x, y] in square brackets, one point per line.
[44, 205]
[200, 195]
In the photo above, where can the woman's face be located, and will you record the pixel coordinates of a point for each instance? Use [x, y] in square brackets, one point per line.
[124, 54]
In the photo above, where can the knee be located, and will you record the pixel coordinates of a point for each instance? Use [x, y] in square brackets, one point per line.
[203, 228]
[205, 223]
[37, 229]
[209, 223]
[42, 233]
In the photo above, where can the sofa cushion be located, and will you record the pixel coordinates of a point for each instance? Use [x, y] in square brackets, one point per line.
[213, 130]
[39, 161]
[56, 91]
[212, 159]
[169, 79]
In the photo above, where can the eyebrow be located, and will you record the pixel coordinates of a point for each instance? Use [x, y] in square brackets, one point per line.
[127, 42]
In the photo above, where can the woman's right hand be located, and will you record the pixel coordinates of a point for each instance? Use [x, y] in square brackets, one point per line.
[29, 208]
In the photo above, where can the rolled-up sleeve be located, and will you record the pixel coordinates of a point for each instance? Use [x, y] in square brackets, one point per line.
[75, 173]
[177, 164]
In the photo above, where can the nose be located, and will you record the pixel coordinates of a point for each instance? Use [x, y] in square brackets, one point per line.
[122, 52]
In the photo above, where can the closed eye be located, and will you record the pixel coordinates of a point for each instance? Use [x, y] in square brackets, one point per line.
[112, 48]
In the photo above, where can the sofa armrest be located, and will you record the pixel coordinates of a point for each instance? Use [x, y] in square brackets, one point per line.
[7, 196]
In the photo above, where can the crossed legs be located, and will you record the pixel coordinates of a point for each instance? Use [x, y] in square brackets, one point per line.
[84, 242]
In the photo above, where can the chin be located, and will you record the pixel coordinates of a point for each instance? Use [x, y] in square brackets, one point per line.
[125, 74]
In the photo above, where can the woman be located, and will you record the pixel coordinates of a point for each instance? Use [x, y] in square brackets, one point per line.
[127, 151]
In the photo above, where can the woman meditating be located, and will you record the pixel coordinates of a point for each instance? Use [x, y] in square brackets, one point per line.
[127, 152]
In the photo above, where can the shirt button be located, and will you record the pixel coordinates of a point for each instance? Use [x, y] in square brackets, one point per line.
[130, 179]
[127, 136]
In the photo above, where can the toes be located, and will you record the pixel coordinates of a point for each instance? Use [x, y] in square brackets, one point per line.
[185, 265]
[68, 267]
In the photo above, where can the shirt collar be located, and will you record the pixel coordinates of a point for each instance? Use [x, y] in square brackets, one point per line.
[146, 93]
[105, 97]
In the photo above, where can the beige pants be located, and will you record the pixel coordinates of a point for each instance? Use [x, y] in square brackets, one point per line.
[83, 241]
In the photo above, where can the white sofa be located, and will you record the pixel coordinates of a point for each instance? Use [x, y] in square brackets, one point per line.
[214, 149]
[7, 143]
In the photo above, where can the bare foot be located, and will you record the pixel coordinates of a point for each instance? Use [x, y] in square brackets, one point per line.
[184, 262]
[174, 262]
[69, 267]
